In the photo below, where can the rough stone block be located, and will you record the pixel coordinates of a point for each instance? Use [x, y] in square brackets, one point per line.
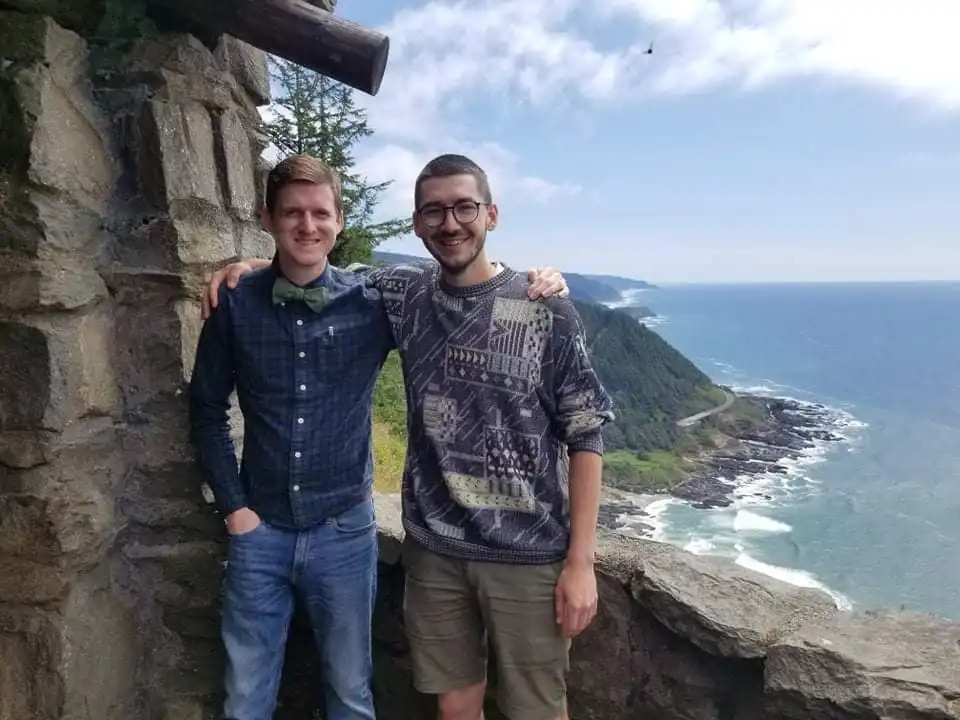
[67, 135]
[91, 339]
[873, 665]
[25, 393]
[204, 236]
[27, 38]
[182, 575]
[255, 242]
[249, 65]
[238, 164]
[201, 237]
[44, 285]
[55, 373]
[601, 661]
[179, 52]
[64, 515]
[26, 528]
[216, 92]
[149, 350]
[176, 155]
[30, 686]
[102, 648]
[35, 584]
[49, 245]
[69, 149]
[20, 450]
[723, 609]
[184, 70]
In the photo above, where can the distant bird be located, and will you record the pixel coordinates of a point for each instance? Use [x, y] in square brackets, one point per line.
[649, 50]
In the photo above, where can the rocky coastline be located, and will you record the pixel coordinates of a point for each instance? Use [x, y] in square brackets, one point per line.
[788, 430]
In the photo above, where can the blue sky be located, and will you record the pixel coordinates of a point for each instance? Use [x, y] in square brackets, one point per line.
[763, 140]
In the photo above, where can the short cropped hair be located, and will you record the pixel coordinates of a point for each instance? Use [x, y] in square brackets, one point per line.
[302, 169]
[449, 165]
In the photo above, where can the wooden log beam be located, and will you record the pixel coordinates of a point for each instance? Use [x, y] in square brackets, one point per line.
[296, 31]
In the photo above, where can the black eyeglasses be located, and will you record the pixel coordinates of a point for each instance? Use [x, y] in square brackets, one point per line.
[464, 212]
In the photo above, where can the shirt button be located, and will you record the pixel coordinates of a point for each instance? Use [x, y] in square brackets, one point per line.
[300, 420]
[296, 488]
[302, 354]
[297, 454]
[299, 322]
[303, 387]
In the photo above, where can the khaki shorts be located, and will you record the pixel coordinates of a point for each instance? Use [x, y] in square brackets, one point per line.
[453, 606]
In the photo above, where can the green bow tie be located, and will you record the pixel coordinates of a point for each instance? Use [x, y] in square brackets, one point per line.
[315, 298]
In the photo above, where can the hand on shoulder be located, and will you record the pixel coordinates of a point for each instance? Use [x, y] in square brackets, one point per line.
[230, 274]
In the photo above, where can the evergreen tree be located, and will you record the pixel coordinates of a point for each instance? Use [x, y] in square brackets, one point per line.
[318, 116]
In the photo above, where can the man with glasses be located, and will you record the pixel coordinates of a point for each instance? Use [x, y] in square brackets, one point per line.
[504, 462]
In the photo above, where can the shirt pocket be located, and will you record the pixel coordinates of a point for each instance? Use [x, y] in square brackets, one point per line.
[341, 345]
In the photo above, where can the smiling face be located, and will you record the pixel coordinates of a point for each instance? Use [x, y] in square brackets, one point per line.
[452, 219]
[305, 223]
[304, 215]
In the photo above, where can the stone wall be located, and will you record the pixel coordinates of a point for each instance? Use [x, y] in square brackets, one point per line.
[128, 167]
[682, 637]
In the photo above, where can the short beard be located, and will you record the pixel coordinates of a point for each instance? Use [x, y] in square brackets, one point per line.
[461, 267]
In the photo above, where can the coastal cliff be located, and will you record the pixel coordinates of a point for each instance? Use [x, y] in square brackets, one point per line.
[684, 637]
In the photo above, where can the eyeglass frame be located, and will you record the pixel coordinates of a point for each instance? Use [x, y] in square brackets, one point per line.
[448, 209]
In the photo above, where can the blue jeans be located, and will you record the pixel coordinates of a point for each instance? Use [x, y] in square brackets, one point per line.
[332, 567]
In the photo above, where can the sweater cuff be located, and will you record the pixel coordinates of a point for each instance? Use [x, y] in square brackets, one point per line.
[592, 442]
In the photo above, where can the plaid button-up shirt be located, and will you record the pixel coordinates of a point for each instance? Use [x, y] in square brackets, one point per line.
[304, 382]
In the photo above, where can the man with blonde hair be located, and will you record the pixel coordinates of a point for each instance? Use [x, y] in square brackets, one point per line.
[301, 342]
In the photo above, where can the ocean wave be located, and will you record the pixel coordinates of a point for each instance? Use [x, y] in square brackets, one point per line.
[726, 541]
[654, 321]
[629, 298]
[726, 532]
[798, 578]
[749, 522]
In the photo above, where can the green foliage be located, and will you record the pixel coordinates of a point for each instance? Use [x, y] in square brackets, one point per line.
[652, 383]
[389, 398]
[389, 426]
[652, 472]
[318, 116]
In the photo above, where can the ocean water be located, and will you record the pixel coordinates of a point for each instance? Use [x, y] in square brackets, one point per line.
[875, 520]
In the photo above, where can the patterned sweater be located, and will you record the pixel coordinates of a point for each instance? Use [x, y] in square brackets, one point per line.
[499, 389]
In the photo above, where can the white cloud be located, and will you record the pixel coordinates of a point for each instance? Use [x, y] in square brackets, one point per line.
[402, 164]
[446, 52]
[451, 57]
[907, 49]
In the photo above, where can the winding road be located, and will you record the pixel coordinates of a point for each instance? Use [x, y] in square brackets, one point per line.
[697, 417]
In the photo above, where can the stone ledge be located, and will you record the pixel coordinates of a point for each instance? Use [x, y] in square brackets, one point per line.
[699, 637]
